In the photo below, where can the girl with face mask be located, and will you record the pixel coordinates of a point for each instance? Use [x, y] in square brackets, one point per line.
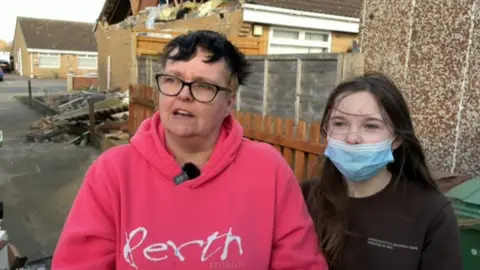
[374, 202]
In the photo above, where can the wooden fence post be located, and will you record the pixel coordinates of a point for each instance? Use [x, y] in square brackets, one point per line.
[314, 138]
[301, 135]
[288, 152]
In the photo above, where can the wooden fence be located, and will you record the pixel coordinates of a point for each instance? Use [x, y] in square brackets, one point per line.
[300, 144]
[288, 86]
[295, 86]
[142, 105]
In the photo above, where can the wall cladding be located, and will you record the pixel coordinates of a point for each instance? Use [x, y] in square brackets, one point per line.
[431, 48]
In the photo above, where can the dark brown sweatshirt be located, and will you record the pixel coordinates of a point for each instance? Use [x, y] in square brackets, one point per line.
[406, 226]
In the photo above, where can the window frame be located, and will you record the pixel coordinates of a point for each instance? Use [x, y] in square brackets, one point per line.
[87, 56]
[49, 55]
[301, 41]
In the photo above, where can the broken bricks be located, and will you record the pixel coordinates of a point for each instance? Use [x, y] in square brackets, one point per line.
[40, 136]
[71, 123]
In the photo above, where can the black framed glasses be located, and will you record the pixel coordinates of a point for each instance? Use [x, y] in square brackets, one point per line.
[200, 91]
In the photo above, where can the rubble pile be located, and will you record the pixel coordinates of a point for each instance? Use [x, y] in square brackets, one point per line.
[188, 10]
[48, 129]
[62, 102]
[71, 121]
[116, 129]
[153, 17]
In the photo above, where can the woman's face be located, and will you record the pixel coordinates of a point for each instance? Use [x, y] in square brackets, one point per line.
[204, 119]
[356, 118]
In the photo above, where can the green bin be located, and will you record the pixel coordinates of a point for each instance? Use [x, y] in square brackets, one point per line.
[466, 202]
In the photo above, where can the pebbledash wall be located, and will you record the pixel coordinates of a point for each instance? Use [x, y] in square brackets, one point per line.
[431, 49]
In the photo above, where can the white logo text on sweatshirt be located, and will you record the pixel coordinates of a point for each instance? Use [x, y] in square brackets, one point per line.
[158, 251]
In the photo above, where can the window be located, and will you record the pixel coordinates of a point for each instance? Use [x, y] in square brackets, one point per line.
[317, 50]
[49, 60]
[296, 41]
[316, 36]
[291, 49]
[87, 61]
[286, 34]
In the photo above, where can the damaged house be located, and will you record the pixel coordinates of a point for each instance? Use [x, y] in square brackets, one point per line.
[130, 34]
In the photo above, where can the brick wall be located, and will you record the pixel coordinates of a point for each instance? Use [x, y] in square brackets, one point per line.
[341, 42]
[116, 43]
[82, 82]
[19, 43]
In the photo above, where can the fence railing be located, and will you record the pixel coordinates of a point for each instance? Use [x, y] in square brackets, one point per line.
[300, 144]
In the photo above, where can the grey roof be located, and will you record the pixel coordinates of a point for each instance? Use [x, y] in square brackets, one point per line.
[347, 8]
[58, 35]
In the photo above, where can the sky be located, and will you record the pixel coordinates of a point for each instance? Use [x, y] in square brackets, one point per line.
[70, 10]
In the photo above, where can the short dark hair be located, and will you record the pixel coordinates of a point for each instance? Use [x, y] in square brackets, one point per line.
[213, 42]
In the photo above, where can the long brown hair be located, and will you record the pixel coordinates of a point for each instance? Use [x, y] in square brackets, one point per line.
[327, 198]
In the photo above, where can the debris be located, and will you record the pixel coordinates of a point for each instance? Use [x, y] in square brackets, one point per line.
[154, 17]
[71, 123]
[188, 10]
[118, 135]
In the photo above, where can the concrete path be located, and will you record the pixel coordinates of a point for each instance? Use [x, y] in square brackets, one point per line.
[38, 182]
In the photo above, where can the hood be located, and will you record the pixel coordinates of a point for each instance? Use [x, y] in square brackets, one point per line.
[149, 141]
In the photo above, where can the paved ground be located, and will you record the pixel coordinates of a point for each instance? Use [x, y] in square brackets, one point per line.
[38, 182]
[14, 84]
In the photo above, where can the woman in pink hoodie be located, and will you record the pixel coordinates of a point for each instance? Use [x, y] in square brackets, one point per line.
[189, 192]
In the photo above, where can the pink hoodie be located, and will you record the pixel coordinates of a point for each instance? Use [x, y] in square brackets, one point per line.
[245, 210]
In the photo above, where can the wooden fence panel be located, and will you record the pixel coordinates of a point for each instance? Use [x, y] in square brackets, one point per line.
[314, 138]
[288, 133]
[142, 105]
[301, 135]
[299, 150]
[278, 131]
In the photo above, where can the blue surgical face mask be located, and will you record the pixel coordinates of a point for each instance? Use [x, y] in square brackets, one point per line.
[359, 162]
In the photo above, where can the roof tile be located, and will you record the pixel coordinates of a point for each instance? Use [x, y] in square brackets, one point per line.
[347, 8]
[58, 35]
